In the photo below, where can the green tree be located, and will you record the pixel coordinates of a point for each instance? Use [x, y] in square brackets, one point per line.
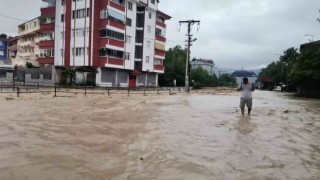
[29, 65]
[227, 80]
[175, 66]
[279, 71]
[306, 71]
[201, 78]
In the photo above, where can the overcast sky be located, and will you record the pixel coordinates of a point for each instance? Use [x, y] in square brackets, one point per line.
[234, 33]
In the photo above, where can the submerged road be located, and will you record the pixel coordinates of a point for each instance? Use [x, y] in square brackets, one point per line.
[160, 137]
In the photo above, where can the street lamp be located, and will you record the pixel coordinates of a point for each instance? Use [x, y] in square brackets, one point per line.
[310, 35]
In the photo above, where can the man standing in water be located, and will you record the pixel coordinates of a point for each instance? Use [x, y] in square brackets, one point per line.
[246, 89]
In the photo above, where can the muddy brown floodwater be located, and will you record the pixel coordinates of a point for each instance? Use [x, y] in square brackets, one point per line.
[159, 137]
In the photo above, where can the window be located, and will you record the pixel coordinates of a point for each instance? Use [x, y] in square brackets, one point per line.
[61, 51]
[158, 31]
[35, 76]
[150, 15]
[111, 34]
[128, 39]
[157, 61]
[81, 13]
[1, 53]
[130, 5]
[127, 56]
[62, 35]
[113, 15]
[78, 51]
[62, 17]
[45, 52]
[153, 1]
[129, 21]
[148, 44]
[88, 12]
[119, 1]
[105, 52]
[63, 2]
[0, 43]
[103, 14]
[80, 32]
[47, 76]
[149, 29]
[147, 59]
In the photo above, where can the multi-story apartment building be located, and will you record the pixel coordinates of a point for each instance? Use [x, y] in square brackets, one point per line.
[206, 64]
[35, 42]
[123, 39]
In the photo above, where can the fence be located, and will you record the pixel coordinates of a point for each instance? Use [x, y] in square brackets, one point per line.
[60, 91]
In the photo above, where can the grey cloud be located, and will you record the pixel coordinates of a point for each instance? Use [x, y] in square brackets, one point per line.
[245, 33]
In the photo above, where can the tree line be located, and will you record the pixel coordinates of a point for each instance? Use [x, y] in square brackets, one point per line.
[297, 70]
[175, 67]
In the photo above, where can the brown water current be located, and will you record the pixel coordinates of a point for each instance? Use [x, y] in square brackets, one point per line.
[159, 137]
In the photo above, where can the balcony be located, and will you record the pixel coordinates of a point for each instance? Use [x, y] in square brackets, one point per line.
[13, 48]
[159, 68]
[160, 53]
[48, 11]
[27, 44]
[160, 38]
[117, 25]
[47, 28]
[46, 60]
[46, 44]
[159, 46]
[161, 24]
[118, 6]
[110, 61]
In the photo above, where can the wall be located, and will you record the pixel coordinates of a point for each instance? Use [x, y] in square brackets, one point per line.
[208, 67]
[131, 31]
[3, 50]
[28, 80]
[149, 51]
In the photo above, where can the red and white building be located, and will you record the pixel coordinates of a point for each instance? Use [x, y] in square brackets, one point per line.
[123, 39]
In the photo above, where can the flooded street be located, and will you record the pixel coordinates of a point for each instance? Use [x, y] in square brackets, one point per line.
[159, 137]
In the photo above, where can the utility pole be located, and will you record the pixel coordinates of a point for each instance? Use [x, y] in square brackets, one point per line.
[219, 77]
[189, 41]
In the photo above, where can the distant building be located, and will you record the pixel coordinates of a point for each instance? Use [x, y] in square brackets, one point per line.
[12, 47]
[240, 74]
[3, 49]
[205, 64]
[27, 46]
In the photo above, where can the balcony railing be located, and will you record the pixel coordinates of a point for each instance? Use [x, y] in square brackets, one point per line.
[46, 44]
[158, 68]
[47, 27]
[48, 11]
[161, 24]
[116, 4]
